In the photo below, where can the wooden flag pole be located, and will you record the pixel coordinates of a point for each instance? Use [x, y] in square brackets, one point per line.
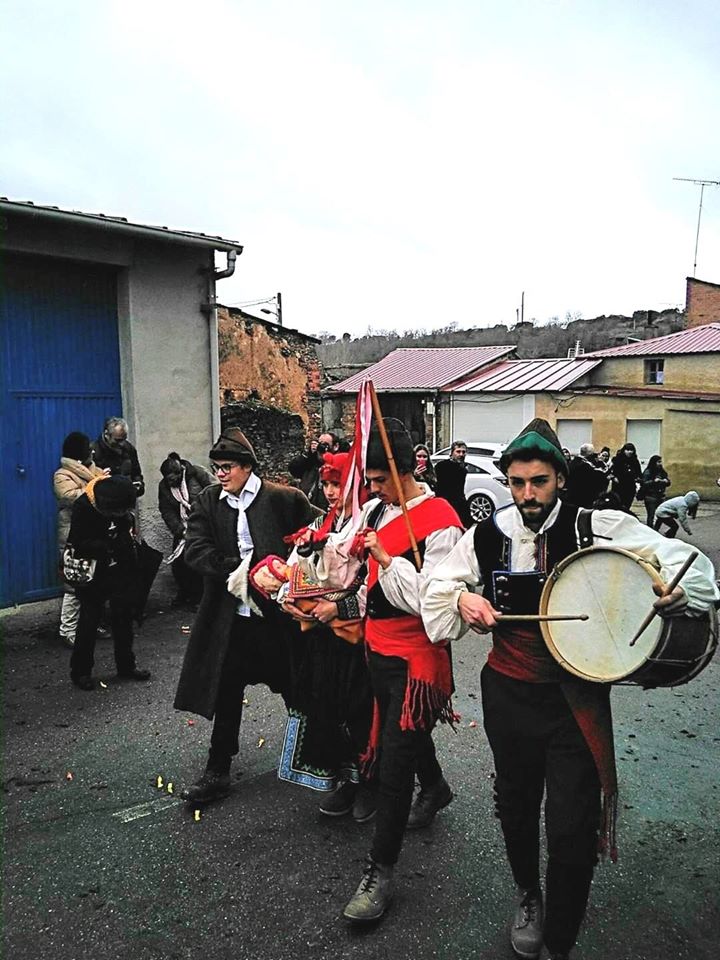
[377, 412]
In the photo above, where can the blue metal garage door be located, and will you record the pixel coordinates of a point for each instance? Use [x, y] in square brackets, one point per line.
[59, 371]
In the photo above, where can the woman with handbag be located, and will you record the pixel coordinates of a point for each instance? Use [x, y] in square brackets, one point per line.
[102, 555]
[76, 470]
[653, 484]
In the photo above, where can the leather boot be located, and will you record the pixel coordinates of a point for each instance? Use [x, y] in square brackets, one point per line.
[427, 803]
[373, 895]
[211, 786]
[526, 930]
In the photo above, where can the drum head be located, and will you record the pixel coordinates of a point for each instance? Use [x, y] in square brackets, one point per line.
[615, 589]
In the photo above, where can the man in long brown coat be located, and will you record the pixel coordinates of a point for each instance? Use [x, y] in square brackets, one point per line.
[238, 637]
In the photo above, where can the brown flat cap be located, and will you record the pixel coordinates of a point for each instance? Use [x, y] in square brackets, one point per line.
[232, 444]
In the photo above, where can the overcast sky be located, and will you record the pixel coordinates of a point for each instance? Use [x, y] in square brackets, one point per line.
[400, 164]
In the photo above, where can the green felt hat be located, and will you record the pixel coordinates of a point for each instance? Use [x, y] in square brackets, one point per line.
[536, 441]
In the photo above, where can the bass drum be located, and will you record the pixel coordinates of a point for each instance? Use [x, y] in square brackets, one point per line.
[615, 589]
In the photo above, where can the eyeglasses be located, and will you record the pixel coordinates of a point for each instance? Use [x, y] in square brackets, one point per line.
[224, 468]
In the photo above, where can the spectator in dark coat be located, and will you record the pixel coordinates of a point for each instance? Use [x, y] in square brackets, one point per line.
[587, 480]
[653, 485]
[626, 473]
[180, 487]
[306, 468]
[114, 451]
[238, 637]
[101, 529]
[451, 475]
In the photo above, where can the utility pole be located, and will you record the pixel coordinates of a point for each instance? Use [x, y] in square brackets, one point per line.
[702, 184]
[279, 308]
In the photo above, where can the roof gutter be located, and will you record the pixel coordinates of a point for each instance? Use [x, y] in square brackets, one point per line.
[117, 226]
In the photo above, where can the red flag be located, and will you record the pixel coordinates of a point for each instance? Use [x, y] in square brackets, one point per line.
[352, 478]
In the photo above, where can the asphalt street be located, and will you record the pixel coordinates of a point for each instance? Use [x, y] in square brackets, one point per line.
[101, 863]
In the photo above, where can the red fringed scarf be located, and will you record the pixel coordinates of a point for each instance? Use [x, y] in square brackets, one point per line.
[590, 705]
[429, 684]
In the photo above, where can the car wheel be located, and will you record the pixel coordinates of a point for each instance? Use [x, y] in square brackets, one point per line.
[481, 507]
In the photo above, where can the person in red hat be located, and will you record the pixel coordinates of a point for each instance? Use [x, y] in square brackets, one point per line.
[331, 708]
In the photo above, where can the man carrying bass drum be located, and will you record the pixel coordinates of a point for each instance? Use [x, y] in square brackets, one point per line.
[549, 730]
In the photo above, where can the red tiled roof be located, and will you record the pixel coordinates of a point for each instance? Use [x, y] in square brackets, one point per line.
[419, 369]
[705, 339]
[527, 375]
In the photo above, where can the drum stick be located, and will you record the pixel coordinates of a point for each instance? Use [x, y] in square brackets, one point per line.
[668, 589]
[539, 618]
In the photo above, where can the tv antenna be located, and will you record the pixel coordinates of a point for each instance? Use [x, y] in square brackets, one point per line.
[702, 184]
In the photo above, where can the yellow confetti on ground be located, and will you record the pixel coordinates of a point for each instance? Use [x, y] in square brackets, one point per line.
[170, 787]
[261, 741]
[159, 783]
[103, 685]
[197, 816]
[245, 701]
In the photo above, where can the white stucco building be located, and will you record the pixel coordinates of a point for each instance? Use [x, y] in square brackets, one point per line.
[98, 317]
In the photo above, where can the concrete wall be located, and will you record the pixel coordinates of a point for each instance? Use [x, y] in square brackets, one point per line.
[690, 432]
[165, 363]
[163, 336]
[702, 302]
[697, 371]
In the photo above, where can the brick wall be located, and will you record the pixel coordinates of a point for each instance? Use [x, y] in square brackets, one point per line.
[702, 302]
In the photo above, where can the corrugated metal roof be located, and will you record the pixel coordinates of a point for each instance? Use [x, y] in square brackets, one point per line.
[705, 339]
[419, 369]
[117, 223]
[524, 376]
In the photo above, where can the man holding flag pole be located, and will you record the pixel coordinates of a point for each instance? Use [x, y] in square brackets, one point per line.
[405, 531]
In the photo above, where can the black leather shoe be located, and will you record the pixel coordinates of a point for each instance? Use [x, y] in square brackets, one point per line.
[84, 683]
[340, 801]
[134, 674]
[427, 803]
[211, 786]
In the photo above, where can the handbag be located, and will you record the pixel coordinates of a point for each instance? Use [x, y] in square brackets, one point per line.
[148, 561]
[76, 570]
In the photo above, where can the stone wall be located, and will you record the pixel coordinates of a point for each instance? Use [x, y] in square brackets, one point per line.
[276, 435]
[264, 363]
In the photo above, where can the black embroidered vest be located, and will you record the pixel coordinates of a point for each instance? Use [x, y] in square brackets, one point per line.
[520, 592]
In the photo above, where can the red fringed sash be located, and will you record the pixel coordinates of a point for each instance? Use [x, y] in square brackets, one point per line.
[429, 683]
[590, 706]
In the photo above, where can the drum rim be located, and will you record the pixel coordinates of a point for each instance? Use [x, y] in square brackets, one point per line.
[545, 628]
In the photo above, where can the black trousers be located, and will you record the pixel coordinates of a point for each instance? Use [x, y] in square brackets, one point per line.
[259, 651]
[189, 583]
[113, 586]
[538, 748]
[402, 755]
[672, 525]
